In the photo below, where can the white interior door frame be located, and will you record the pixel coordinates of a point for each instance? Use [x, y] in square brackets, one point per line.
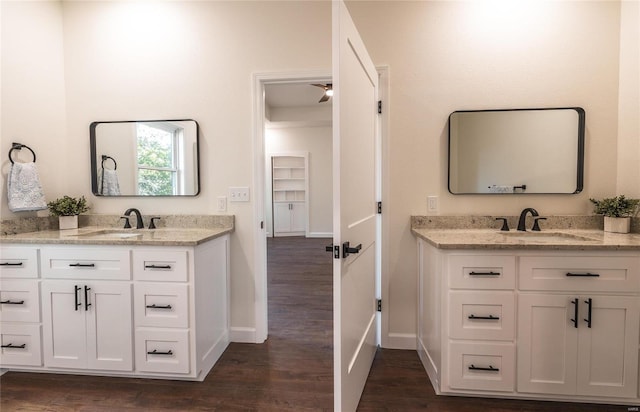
[259, 182]
[259, 178]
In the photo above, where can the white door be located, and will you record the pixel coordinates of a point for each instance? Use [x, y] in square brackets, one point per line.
[109, 337]
[608, 350]
[547, 343]
[298, 217]
[281, 218]
[64, 340]
[355, 219]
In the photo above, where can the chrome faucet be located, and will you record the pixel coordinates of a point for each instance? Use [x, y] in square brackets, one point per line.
[139, 223]
[523, 218]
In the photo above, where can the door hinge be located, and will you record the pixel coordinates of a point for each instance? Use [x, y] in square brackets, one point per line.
[379, 207]
[379, 106]
[379, 305]
[336, 252]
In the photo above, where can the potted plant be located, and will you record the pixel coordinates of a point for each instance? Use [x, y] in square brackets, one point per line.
[67, 209]
[617, 212]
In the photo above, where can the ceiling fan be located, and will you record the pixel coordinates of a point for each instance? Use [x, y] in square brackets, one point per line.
[328, 91]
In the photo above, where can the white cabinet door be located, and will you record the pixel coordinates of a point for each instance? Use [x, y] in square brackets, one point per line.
[64, 327]
[109, 336]
[87, 325]
[608, 350]
[281, 218]
[547, 344]
[298, 217]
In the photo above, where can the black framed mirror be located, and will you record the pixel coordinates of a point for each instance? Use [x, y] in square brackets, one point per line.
[145, 158]
[516, 151]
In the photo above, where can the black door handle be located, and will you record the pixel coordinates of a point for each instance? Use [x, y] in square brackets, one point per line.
[347, 249]
[575, 312]
[77, 298]
[588, 319]
[86, 298]
[329, 248]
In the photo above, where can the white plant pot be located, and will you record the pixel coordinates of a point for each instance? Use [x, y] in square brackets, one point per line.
[68, 222]
[617, 224]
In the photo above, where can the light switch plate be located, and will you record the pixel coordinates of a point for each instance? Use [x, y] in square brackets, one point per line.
[238, 194]
[222, 203]
[432, 204]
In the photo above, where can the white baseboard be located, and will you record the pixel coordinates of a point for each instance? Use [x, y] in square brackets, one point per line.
[242, 335]
[320, 234]
[400, 341]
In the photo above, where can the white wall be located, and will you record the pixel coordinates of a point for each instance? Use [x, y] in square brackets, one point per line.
[33, 98]
[317, 141]
[457, 55]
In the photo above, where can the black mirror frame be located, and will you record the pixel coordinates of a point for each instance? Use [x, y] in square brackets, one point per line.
[94, 162]
[580, 148]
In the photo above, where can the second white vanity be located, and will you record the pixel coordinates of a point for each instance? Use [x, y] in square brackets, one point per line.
[148, 303]
[552, 315]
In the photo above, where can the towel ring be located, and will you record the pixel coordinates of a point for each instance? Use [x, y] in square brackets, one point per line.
[105, 157]
[18, 146]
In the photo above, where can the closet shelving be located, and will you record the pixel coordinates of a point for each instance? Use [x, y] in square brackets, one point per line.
[289, 174]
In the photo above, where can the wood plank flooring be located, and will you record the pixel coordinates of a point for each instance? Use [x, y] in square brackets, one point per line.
[292, 371]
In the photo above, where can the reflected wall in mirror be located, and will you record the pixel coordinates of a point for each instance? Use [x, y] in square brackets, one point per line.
[145, 158]
[522, 151]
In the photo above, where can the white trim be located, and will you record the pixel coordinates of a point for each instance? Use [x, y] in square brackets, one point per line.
[400, 341]
[259, 179]
[320, 234]
[242, 335]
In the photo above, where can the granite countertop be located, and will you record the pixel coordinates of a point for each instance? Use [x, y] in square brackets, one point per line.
[99, 235]
[549, 239]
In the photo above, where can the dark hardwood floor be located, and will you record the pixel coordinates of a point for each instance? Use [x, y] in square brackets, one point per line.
[292, 371]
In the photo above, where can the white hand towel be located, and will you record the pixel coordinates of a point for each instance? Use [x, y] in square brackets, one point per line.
[108, 184]
[24, 189]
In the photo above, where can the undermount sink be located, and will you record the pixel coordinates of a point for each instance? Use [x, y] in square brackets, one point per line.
[109, 234]
[544, 236]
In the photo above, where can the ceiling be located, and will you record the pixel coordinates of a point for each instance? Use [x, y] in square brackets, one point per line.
[293, 95]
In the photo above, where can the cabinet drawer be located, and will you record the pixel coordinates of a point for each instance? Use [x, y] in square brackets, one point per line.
[160, 265]
[162, 351]
[18, 262]
[482, 366]
[580, 273]
[78, 263]
[482, 315]
[482, 272]
[20, 345]
[162, 305]
[19, 301]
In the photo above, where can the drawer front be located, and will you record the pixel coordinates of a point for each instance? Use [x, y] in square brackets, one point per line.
[580, 273]
[160, 265]
[482, 315]
[477, 366]
[19, 301]
[18, 262]
[161, 305]
[482, 272]
[78, 263]
[162, 351]
[20, 345]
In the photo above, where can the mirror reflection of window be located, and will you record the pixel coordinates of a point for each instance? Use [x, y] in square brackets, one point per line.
[157, 159]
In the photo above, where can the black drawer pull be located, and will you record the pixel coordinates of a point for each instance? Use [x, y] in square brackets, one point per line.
[484, 273]
[154, 306]
[82, 265]
[10, 264]
[583, 275]
[589, 303]
[11, 302]
[155, 352]
[11, 345]
[157, 266]
[575, 312]
[490, 317]
[490, 368]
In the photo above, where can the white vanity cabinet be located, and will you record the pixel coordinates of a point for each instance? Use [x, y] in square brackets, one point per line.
[545, 324]
[20, 327]
[118, 310]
